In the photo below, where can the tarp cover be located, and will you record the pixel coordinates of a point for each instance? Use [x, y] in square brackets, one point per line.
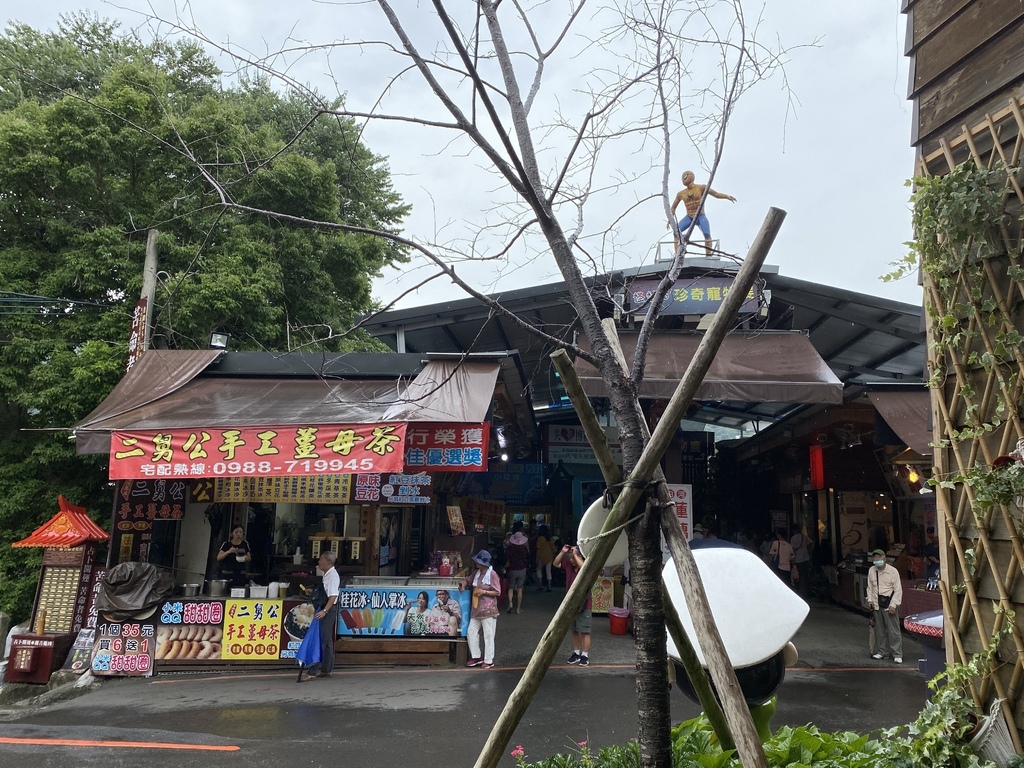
[769, 367]
[163, 391]
[129, 589]
[908, 413]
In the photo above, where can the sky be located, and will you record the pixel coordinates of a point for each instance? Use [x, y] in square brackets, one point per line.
[829, 142]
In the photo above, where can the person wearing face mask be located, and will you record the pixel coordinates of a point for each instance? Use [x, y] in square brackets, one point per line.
[885, 593]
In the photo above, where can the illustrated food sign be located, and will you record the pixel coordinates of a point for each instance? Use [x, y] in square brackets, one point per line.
[447, 447]
[406, 611]
[189, 631]
[252, 629]
[258, 451]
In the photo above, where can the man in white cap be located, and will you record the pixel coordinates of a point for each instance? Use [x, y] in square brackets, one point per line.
[885, 593]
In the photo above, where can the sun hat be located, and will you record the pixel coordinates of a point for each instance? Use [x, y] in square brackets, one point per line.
[483, 557]
[518, 538]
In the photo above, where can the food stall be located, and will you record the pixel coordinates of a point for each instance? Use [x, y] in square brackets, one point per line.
[199, 443]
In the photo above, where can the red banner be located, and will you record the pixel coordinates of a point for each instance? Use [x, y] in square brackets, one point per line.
[447, 447]
[258, 451]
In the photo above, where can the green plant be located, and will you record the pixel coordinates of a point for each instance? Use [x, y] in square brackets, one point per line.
[940, 736]
[1002, 484]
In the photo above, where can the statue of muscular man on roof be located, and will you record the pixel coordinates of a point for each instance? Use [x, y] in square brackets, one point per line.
[690, 196]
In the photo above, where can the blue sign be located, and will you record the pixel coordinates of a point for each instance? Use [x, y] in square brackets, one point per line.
[410, 611]
[696, 296]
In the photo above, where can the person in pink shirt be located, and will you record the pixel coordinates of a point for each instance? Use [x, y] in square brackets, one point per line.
[483, 617]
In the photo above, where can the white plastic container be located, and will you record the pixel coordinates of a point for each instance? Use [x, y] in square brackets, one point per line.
[273, 590]
[258, 592]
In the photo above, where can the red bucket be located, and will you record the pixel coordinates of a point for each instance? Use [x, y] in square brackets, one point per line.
[617, 618]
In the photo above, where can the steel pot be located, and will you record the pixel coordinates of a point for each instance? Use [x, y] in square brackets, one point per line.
[189, 590]
[218, 587]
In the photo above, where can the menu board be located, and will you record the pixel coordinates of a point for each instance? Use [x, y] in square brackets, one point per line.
[124, 648]
[189, 631]
[252, 629]
[57, 592]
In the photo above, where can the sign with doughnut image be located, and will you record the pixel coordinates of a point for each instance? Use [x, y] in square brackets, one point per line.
[189, 631]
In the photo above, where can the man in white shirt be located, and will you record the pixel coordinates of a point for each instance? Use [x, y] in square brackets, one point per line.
[885, 593]
[328, 616]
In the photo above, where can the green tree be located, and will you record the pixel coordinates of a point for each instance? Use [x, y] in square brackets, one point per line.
[104, 137]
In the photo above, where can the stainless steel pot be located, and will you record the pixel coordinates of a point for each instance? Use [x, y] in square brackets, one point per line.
[218, 587]
[189, 590]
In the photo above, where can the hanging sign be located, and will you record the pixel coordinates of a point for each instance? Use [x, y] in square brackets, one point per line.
[258, 451]
[447, 447]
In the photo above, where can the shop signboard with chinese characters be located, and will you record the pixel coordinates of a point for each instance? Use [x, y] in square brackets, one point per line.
[252, 629]
[302, 489]
[258, 451]
[138, 506]
[410, 611]
[446, 447]
[124, 648]
[696, 296]
[398, 490]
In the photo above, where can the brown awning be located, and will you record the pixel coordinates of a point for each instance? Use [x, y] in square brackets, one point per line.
[768, 367]
[165, 390]
[909, 414]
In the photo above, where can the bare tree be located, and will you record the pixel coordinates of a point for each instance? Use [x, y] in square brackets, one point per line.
[574, 107]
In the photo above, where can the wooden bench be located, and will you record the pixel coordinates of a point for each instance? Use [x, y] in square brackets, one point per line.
[400, 651]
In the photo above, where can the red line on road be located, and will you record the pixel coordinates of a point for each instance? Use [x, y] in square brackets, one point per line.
[130, 744]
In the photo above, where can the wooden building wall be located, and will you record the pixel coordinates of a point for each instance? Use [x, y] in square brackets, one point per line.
[966, 61]
[966, 82]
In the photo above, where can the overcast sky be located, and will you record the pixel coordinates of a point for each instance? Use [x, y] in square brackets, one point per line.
[835, 156]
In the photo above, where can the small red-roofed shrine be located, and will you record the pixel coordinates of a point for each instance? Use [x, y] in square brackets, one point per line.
[64, 595]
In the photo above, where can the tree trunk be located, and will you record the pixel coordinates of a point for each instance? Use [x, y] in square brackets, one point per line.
[654, 712]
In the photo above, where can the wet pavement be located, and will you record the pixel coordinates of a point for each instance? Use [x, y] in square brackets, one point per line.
[438, 716]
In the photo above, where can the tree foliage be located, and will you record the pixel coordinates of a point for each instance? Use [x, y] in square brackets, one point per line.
[105, 136]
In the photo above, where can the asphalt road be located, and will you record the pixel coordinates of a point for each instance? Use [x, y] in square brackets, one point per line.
[435, 717]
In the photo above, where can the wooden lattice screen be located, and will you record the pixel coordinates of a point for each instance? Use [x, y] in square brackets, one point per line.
[982, 558]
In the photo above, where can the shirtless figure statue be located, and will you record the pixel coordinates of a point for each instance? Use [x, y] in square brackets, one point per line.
[690, 197]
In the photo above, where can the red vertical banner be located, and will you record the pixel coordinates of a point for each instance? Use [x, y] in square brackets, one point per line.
[817, 467]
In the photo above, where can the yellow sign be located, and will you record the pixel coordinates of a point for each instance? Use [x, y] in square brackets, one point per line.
[252, 629]
[307, 489]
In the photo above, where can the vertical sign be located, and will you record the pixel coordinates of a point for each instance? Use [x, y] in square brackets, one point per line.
[137, 336]
[455, 521]
[682, 497]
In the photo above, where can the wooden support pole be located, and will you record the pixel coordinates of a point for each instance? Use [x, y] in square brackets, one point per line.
[610, 470]
[737, 714]
[695, 672]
